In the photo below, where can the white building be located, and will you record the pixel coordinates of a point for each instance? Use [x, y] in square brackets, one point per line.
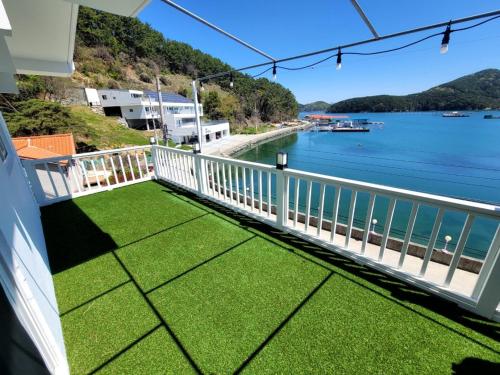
[141, 111]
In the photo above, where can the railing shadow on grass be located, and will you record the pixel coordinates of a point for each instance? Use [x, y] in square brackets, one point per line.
[399, 292]
[72, 238]
[471, 365]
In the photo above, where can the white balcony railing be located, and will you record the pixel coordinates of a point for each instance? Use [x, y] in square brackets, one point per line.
[283, 199]
[66, 177]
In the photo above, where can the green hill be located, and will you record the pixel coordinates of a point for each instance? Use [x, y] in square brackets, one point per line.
[314, 106]
[121, 52]
[472, 92]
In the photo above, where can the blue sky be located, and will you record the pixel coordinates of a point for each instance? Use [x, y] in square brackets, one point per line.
[284, 28]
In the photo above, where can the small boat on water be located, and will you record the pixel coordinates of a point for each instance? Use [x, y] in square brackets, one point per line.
[491, 117]
[348, 127]
[455, 114]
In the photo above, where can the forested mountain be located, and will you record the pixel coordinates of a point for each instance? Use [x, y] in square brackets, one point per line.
[314, 106]
[115, 51]
[475, 91]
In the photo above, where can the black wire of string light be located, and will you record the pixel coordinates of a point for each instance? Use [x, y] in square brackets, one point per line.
[446, 34]
[339, 53]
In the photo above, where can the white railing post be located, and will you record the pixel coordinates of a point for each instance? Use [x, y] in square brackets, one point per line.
[486, 290]
[155, 162]
[280, 198]
[200, 174]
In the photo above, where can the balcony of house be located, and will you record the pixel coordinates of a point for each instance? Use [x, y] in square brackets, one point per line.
[212, 268]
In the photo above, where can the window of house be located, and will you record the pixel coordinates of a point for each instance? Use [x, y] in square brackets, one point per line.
[147, 109]
[136, 95]
[3, 150]
[131, 110]
[104, 97]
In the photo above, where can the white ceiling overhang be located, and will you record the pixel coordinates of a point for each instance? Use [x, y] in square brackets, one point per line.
[38, 36]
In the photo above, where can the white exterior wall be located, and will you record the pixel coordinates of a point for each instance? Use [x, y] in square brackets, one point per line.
[24, 267]
[119, 98]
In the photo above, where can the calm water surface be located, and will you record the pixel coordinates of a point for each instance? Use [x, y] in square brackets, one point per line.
[424, 152]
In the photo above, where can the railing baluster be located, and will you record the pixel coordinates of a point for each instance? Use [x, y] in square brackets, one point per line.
[335, 212]
[488, 264]
[63, 177]
[145, 159]
[244, 187]
[368, 220]
[218, 179]
[130, 166]
[260, 192]
[224, 181]
[47, 169]
[296, 201]
[350, 218]
[105, 171]
[230, 172]
[409, 232]
[269, 194]
[138, 165]
[83, 171]
[114, 169]
[321, 206]
[387, 228]
[432, 241]
[95, 173]
[237, 178]
[308, 205]
[459, 249]
[252, 190]
[124, 173]
[72, 168]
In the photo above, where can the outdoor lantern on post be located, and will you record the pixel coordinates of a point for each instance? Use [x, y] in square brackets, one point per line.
[152, 141]
[447, 239]
[281, 160]
[196, 148]
[374, 222]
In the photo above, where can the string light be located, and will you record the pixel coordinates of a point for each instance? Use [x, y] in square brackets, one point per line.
[339, 60]
[446, 39]
[231, 80]
[444, 48]
[201, 86]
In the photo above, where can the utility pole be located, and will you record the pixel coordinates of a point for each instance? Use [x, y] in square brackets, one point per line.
[162, 120]
[197, 114]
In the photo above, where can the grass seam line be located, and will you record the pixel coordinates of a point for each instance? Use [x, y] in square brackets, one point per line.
[160, 318]
[95, 297]
[125, 349]
[282, 324]
[199, 265]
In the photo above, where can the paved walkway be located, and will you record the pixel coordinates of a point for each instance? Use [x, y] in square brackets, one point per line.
[234, 143]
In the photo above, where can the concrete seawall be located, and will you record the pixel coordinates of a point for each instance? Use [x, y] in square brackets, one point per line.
[240, 142]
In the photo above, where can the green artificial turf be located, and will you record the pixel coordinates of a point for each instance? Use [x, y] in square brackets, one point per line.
[151, 281]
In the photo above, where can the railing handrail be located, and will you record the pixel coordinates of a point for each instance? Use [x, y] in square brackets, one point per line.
[84, 155]
[405, 194]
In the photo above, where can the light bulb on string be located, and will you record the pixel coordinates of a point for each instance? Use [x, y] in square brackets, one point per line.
[446, 39]
[339, 60]
[274, 73]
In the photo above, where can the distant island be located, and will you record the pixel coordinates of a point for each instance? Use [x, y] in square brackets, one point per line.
[476, 91]
[315, 106]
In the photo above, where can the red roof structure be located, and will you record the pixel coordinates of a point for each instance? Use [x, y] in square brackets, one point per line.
[45, 146]
[325, 117]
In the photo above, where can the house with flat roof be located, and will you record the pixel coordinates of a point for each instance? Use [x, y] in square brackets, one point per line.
[141, 110]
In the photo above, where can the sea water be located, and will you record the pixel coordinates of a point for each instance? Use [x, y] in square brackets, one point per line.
[423, 151]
